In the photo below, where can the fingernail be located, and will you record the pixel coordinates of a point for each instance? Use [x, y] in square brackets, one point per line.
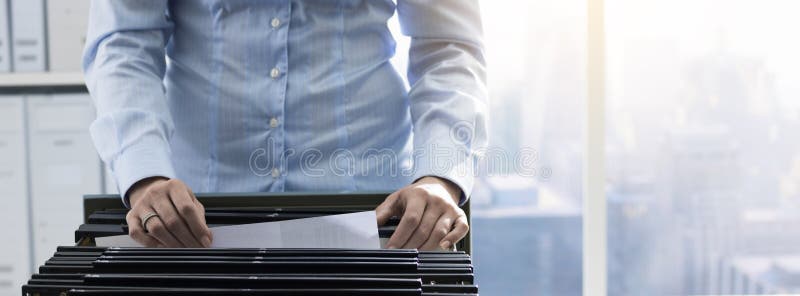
[445, 245]
[206, 242]
[391, 247]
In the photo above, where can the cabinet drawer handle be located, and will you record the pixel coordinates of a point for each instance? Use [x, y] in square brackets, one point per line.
[62, 142]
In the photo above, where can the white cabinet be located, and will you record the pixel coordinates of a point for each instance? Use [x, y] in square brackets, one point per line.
[27, 33]
[64, 166]
[67, 22]
[15, 253]
[5, 40]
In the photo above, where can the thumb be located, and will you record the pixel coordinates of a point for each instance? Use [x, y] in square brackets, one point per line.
[385, 210]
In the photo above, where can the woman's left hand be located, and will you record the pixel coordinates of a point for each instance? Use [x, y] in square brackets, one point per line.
[430, 216]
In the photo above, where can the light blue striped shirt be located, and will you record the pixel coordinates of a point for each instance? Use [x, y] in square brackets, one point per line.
[281, 95]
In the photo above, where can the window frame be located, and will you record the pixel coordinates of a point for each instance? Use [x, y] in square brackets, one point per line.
[595, 247]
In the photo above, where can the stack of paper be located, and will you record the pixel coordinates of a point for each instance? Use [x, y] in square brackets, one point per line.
[355, 230]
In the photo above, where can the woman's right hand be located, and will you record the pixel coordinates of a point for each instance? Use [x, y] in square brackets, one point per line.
[181, 218]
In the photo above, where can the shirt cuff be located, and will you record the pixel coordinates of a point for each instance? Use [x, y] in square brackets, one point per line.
[458, 168]
[137, 163]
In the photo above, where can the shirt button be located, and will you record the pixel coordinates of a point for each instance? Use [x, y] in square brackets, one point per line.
[275, 73]
[273, 122]
[276, 172]
[275, 22]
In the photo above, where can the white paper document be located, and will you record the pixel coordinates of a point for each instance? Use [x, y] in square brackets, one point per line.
[354, 230]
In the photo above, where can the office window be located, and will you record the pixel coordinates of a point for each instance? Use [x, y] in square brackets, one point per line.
[702, 154]
[526, 207]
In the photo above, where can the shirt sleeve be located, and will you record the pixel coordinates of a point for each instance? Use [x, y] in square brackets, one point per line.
[124, 65]
[448, 96]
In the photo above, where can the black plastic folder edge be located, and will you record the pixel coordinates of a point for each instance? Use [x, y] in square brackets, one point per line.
[112, 291]
[460, 278]
[253, 282]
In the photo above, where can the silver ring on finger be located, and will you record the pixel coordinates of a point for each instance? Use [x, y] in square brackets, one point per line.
[146, 218]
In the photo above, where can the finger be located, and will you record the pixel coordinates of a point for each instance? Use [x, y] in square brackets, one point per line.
[194, 199]
[460, 230]
[156, 228]
[175, 224]
[203, 210]
[192, 215]
[137, 233]
[443, 226]
[425, 227]
[412, 215]
[385, 210]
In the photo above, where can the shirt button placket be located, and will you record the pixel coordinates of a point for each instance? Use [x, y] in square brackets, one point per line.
[278, 75]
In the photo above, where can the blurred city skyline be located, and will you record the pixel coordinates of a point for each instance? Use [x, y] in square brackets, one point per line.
[703, 175]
